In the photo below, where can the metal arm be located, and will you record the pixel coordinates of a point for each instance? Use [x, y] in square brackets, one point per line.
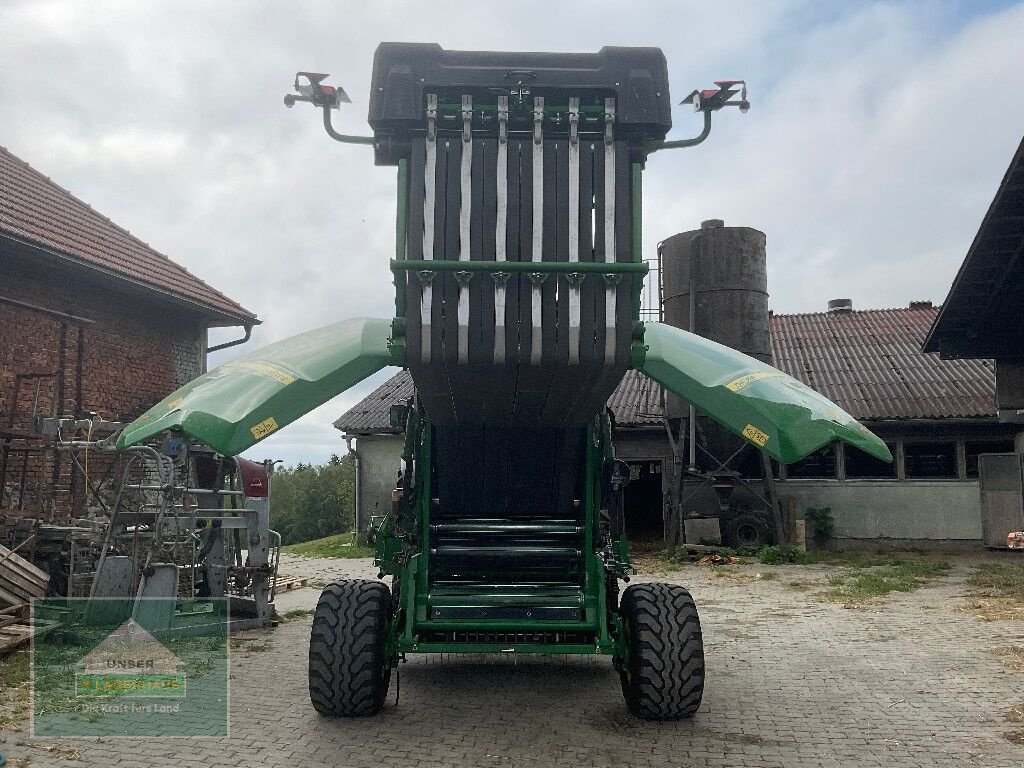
[679, 143]
[341, 136]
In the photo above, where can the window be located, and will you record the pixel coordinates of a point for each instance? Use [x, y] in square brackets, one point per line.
[974, 447]
[818, 465]
[930, 460]
[864, 466]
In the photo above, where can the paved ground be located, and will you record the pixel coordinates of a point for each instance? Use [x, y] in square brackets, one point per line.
[790, 682]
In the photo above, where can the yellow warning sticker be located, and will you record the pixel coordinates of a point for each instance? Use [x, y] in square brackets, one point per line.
[267, 369]
[174, 403]
[264, 428]
[755, 435]
[737, 384]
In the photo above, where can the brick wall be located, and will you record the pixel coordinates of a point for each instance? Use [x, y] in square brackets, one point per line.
[137, 351]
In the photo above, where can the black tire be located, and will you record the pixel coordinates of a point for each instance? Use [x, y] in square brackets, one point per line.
[664, 676]
[748, 530]
[348, 673]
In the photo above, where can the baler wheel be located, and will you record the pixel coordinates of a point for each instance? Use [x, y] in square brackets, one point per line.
[664, 676]
[348, 671]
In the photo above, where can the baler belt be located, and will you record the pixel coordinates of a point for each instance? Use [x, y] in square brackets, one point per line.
[501, 230]
[528, 346]
[609, 226]
[465, 214]
[429, 208]
[537, 249]
[573, 228]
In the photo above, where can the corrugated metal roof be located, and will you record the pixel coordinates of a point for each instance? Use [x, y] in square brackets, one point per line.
[869, 362]
[636, 402]
[36, 210]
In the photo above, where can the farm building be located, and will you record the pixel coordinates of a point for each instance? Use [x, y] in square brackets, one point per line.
[981, 319]
[91, 320]
[937, 416]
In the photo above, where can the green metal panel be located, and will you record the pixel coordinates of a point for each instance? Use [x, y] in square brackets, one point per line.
[233, 407]
[424, 494]
[783, 417]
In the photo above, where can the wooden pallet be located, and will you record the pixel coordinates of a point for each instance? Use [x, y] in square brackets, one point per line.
[20, 580]
[14, 635]
[290, 582]
[16, 628]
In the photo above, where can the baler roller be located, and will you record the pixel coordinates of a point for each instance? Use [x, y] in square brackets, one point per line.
[553, 528]
[520, 555]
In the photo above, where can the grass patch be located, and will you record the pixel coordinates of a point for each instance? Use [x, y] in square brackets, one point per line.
[785, 554]
[1015, 715]
[297, 613]
[856, 559]
[779, 555]
[339, 545]
[999, 579]
[14, 683]
[1012, 656]
[741, 577]
[864, 584]
[997, 591]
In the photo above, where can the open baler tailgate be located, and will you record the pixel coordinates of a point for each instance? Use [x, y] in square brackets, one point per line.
[780, 415]
[236, 405]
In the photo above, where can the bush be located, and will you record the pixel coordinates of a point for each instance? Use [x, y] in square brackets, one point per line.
[778, 555]
[819, 520]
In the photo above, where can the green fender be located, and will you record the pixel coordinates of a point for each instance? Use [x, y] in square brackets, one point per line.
[236, 405]
[783, 417]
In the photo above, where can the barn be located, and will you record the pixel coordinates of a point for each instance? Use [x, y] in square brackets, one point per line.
[92, 320]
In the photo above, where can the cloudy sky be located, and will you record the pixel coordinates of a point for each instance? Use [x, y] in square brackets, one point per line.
[878, 134]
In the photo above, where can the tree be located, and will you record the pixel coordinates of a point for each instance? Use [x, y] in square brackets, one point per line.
[312, 501]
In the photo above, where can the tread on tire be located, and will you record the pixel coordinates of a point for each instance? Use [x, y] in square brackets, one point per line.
[348, 673]
[664, 677]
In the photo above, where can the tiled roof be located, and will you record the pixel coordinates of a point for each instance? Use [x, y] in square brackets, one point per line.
[869, 362]
[36, 210]
[371, 414]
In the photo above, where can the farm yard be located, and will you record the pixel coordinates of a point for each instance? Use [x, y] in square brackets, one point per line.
[803, 669]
